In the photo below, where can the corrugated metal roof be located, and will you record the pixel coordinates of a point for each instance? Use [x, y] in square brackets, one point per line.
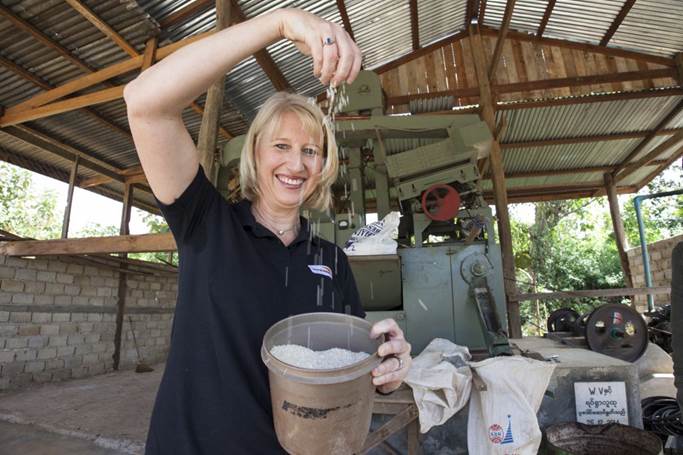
[439, 18]
[573, 120]
[381, 29]
[652, 26]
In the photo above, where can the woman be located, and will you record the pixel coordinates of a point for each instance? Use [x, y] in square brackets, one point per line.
[246, 266]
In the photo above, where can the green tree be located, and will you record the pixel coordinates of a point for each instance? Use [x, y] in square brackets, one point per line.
[24, 212]
[156, 225]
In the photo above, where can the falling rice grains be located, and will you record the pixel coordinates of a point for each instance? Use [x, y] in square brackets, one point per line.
[302, 357]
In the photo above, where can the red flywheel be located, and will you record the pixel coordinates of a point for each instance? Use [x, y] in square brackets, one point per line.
[441, 202]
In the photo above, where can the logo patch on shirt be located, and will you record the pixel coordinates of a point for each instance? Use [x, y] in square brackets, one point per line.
[321, 270]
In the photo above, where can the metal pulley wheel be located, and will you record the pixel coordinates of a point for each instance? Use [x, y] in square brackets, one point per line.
[618, 331]
[562, 320]
[476, 265]
[580, 324]
[440, 202]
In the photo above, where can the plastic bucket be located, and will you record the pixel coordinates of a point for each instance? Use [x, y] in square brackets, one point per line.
[321, 411]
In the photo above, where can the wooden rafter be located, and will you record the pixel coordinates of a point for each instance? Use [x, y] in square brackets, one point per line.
[584, 139]
[542, 84]
[482, 11]
[546, 17]
[191, 9]
[341, 6]
[414, 25]
[505, 26]
[43, 38]
[652, 155]
[263, 57]
[661, 166]
[556, 172]
[23, 73]
[613, 51]
[102, 26]
[628, 4]
[661, 126]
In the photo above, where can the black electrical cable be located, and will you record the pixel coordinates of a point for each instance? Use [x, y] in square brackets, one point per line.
[662, 415]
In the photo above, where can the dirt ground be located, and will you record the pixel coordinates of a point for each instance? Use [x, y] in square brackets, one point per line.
[109, 411]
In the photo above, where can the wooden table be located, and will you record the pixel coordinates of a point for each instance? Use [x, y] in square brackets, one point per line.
[401, 405]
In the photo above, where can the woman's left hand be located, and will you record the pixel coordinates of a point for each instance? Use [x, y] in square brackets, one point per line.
[389, 375]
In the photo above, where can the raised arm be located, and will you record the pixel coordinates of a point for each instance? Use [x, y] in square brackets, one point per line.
[157, 97]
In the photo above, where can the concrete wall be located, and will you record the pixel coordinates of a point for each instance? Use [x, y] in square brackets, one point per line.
[58, 319]
[660, 268]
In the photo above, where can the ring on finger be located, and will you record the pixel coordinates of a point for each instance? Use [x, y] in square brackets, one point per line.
[328, 41]
[400, 362]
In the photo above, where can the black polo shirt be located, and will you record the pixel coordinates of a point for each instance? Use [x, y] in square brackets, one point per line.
[236, 279]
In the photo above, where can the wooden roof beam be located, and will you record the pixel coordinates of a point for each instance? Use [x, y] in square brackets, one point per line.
[613, 51]
[191, 9]
[341, 6]
[91, 245]
[414, 27]
[482, 11]
[660, 127]
[674, 140]
[663, 164]
[584, 139]
[617, 22]
[102, 26]
[41, 37]
[505, 26]
[546, 17]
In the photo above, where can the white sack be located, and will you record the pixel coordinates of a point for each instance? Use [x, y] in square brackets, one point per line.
[375, 238]
[441, 382]
[502, 418]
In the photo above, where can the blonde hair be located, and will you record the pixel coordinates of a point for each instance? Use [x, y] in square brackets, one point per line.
[314, 123]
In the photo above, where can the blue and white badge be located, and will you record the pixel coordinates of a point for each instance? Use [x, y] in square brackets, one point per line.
[321, 270]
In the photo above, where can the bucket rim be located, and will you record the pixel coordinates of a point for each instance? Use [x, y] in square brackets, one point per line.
[321, 376]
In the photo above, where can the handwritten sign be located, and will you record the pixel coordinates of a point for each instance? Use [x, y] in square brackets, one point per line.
[598, 403]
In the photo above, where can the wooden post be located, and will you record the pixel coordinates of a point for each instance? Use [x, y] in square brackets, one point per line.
[208, 133]
[618, 225]
[382, 195]
[123, 285]
[69, 198]
[487, 113]
[679, 65]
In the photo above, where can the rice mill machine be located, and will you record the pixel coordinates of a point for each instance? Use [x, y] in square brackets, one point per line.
[446, 278]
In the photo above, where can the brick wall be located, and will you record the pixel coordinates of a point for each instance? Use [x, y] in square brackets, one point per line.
[660, 268]
[58, 319]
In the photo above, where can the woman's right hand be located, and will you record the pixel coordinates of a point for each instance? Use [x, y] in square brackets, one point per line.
[332, 63]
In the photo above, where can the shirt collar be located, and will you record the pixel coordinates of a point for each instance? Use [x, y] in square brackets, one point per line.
[243, 209]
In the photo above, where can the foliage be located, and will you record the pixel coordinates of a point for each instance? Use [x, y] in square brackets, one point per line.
[96, 230]
[156, 225]
[22, 211]
[662, 217]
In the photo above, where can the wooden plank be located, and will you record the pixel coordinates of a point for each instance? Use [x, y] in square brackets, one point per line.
[505, 27]
[394, 425]
[618, 292]
[69, 198]
[546, 18]
[679, 66]
[149, 57]
[59, 107]
[618, 227]
[617, 52]
[482, 11]
[414, 27]
[208, 131]
[90, 245]
[496, 162]
[103, 26]
[628, 4]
